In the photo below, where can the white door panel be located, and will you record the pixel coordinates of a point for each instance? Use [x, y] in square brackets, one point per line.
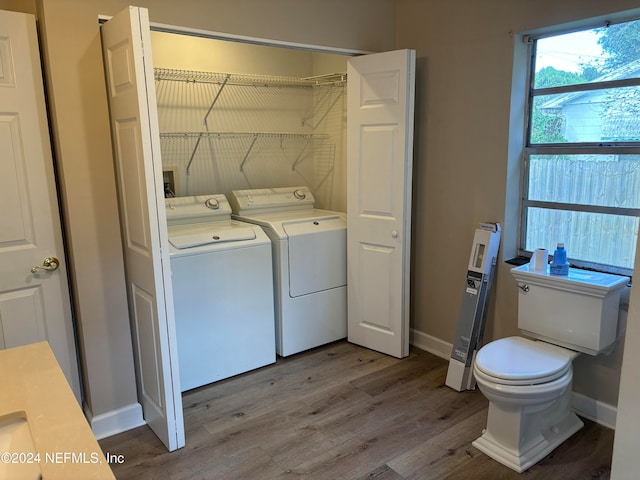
[23, 317]
[376, 194]
[380, 132]
[134, 125]
[33, 306]
[375, 266]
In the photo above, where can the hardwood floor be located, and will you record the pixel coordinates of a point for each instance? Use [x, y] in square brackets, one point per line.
[343, 412]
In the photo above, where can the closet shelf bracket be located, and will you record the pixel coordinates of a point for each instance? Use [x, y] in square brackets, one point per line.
[215, 100]
[193, 154]
[323, 106]
[293, 167]
[246, 156]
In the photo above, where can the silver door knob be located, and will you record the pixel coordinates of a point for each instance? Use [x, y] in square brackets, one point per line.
[49, 263]
[394, 233]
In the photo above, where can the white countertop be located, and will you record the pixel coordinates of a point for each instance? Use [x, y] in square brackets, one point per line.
[32, 382]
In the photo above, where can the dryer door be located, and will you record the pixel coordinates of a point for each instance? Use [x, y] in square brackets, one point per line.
[317, 255]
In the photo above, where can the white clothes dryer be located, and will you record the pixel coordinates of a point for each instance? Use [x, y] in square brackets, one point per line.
[309, 264]
[222, 290]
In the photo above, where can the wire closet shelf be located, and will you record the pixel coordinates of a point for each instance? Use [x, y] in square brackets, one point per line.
[175, 75]
[333, 82]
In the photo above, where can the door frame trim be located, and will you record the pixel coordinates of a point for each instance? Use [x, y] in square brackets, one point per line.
[232, 37]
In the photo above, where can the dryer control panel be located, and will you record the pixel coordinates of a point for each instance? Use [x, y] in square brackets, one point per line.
[265, 200]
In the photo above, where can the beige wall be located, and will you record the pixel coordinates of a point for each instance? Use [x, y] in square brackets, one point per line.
[469, 138]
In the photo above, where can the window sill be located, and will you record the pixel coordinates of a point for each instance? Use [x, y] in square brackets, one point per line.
[517, 261]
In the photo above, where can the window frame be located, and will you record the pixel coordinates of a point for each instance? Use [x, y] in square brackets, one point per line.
[581, 148]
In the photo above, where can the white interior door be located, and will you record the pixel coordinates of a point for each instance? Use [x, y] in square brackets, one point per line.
[134, 125]
[34, 306]
[380, 104]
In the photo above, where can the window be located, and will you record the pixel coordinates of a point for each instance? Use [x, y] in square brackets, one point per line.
[582, 152]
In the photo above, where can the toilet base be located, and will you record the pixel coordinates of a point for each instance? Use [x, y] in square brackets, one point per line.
[546, 442]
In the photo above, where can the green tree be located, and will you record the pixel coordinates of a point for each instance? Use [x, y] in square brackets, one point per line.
[621, 43]
[547, 127]
[551, 77]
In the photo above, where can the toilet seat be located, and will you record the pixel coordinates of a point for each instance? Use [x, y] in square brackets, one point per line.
[519, 361]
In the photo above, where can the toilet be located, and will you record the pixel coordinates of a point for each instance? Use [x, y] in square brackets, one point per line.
[528, 380]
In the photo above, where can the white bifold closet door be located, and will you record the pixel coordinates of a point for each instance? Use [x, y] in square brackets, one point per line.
[126, 44]
[380, 103]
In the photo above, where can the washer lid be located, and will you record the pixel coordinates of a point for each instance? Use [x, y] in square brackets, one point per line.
[519, 361]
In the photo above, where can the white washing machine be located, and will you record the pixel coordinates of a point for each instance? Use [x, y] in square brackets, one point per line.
[222, 290]
[309, 263]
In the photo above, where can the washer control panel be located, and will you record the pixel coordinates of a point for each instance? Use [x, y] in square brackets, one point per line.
[199, 208]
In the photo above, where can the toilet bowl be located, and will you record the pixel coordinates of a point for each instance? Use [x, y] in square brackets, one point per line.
[528, 385]
[528, 381]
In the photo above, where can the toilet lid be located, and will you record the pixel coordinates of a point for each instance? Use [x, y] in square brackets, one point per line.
[518, 361]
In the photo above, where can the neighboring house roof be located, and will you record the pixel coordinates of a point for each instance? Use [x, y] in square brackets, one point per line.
[621, 119]
[630, 70]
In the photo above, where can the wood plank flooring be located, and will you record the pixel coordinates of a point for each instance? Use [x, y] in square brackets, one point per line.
[342, 412]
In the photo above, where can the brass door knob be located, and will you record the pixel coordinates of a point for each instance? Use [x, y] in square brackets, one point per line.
[49, 263]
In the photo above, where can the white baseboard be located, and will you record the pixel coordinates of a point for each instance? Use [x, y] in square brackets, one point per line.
[595, 410]
[115, 421]
[430, 344]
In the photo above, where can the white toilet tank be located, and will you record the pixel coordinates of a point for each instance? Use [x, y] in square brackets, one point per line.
[578, 311]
